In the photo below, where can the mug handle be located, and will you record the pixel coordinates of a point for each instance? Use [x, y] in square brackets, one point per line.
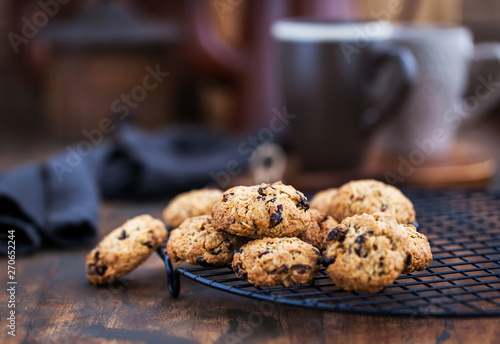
[388, 98]
[484, 73]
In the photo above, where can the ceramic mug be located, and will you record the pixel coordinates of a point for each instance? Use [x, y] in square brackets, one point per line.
[341, 80]
[438, 104]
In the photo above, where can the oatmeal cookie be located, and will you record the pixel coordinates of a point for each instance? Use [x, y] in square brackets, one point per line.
[276, 261]
[190, 204]
[371, 196]
[421, 255]
[196, 242]
[266, 210]
[366, 253]
[124, 249]
[321, 224]
[322, 200]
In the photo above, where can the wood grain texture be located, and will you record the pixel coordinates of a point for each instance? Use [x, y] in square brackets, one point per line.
[56, 304]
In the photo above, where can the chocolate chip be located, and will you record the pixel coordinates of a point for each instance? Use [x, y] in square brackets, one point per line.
[96, 254]
[383, 207]
[99, 269]
[260, 198]
[216, 250]
[201, 261]
[226, 195]
[263, 253]
[272, 200]
[261, 191]
[301, 268]
[408, 260]
[303, 203]
[327, 260]
[336, 234]
[124, 235]
[148, 244]
[238, 269]
[281, 270]
[276, 219]
[360, 240]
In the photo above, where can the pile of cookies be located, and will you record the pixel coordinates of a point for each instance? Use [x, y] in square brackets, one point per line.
[271, 235]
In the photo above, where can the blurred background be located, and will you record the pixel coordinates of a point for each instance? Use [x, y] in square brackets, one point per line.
[65, 66]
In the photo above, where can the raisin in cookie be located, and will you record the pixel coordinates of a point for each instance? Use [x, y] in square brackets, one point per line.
[196, 242]
[371, 196]
[366, 253]
[321, 224]
[276, 261]
[323, 200]
[190, 204]
[266, 210]
[420, 249]
[124, 249]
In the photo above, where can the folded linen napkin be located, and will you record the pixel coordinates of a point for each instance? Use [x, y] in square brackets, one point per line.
[57, 202]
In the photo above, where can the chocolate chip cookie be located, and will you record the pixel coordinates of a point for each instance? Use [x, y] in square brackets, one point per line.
[190, 204]
[371, 196]
[196, 242]
[322, 200]
[420, 250]
[266, 210]
[276, 261]
[321, 224]
[124, 249]
[366, 253]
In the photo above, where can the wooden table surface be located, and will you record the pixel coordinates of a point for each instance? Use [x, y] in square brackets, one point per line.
[56, 304]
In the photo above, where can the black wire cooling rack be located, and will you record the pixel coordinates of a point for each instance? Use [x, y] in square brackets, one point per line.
[463, 228]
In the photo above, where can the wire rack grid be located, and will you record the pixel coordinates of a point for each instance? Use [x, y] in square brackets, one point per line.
[463, 228]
